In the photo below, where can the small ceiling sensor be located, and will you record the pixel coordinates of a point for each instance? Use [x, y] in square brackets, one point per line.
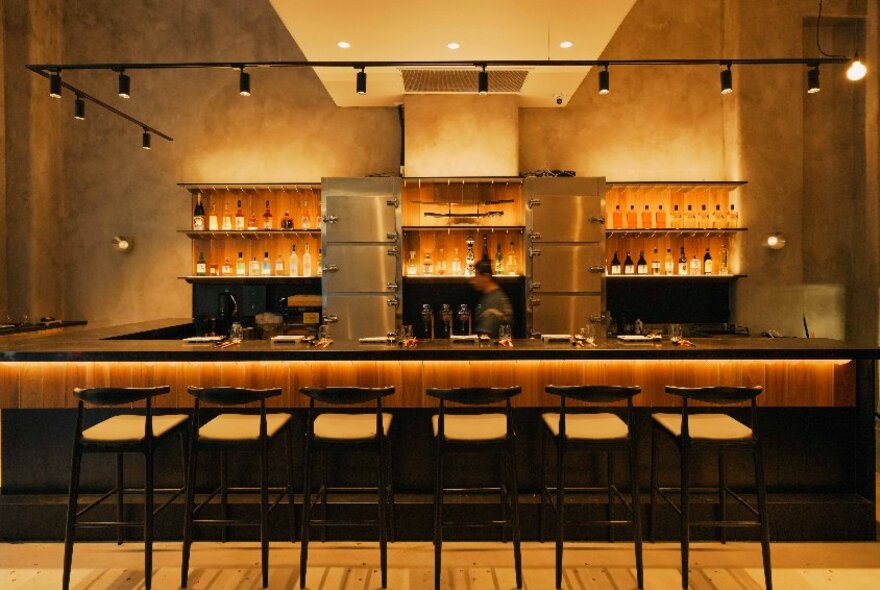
[453, 45]
[122, 244]
[566, 44]
[343, 44]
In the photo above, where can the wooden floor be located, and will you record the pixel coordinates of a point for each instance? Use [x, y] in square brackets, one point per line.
[467, 566]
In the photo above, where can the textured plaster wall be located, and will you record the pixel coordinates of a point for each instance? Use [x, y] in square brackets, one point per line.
[4, 261]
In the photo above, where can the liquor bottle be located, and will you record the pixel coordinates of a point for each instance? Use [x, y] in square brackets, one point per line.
[718, 218]
[199, 215]
[499, 260]
[655, 263]
[469, 258]
[446, 320]
[642, 264]
[628, 267]
[293, 266]
[631, 218]
[485, 254]
[464, 320]
[703, 221]
[252, 221]
[723, 263]
[682, 263]
[213, 224]
[456, 264]
[690, 218]
[226, 225]
[239, 217]
[617, 218]
[660, 217]
[707, 263]
[226, 269]
[201, 265]
[287, 221]
[304, 220]
[441, 262]
[427, 265]
[307, 262]
[240, 268]
[319, 266]
[669, 263]
[695, 265]
[411, 267]
[213, 270]
[279, 265]
[267, 217]
[266, 267]
[646, 217]
[615, 264]
[253, 267]
[427, 315]
[511, 259]
[676, 217]
[732, 217]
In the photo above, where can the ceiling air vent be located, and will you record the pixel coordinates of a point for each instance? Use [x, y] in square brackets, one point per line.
[451, 81]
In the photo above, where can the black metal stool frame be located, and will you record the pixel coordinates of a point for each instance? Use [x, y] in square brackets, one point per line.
[228, 397]
[346, 396]
[509, 494]
[686, 445]
[592, 394]
[115, 396]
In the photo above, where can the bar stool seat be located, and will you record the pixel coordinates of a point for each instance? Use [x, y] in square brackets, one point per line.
[472, 427]
[241, 427]
[705, 426]
[600, 426]
[131, 428]
[350, 426]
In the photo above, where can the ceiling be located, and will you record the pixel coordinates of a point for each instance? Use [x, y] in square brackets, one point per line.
[419, 30]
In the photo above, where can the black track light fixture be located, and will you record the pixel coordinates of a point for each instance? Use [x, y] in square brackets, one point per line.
[55, 84]
[813, 80]
[124, 85]
[244, 82]
[79, 108]
[726, 80]
[483, 82]
[361, 84]
[605, 81]
[145, 139]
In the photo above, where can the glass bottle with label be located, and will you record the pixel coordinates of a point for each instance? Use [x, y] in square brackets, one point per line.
[511, 259]
[642, 264]
[240, 267]
[199, 214]
[628, 267]
[617, 218]
[695, 265]
[427, 265]
[655, 263]
[446, 321]
[267, 217]
[690, 218]
[676, 218]
[427, 315]
[412, 268]
[201, 265]
[239, 217]
[660, 217]
[499, 260]
[456, 264]
[441, 262]
[469, 258]
[723, 260]
[287, 221]
[307, 262]
[631, 221]
[682, 263]
[226, 224]
[253, 267]
[213, 223]
[304, 220]
[707, 263]
[733, 217]
[485, 254]
[213, 270]
[319, 266]
[669, 263]
[615, 264]
[252, 221]
[464, 320]
[279, 265]
[293, 266]
[718, 217]
[646, 217]
[226, 269]
[704, 220]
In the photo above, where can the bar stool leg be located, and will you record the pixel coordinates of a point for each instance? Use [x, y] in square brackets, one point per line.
[685, 512]
[438, 513]
[120, 530]
[306, 516]
[655, 465]
[543, 486]
[762, 515]
[722, 495]
[560, 509]
[72, 501]
[264, 510]
[224, 496]
[323, 492]
[610, 507]
[288, 443]
[188, 512]
[389, 464]
[636, 510]
[383, 518]
[504, 477]
[514, 497]
[148, 516]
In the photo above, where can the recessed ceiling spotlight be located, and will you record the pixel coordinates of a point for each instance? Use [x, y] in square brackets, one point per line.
[453, 45]
[343, 44]
[566, 44]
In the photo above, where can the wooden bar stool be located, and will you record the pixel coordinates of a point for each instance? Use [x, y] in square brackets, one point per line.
[594, 431]
[125, 433]
[346, 432]
[713, 431]
[458, 432]
[249, 432]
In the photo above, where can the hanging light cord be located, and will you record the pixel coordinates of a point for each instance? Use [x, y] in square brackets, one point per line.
[818, 44]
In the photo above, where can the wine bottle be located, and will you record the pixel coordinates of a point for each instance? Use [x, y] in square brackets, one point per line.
[267, 217]
[307, 262]
[240, 268]
[227, 218]
[499, 260]
[201, 265]
[682, 263]
[660, 217]
[655, 263]
[213, 224]
[617, 218]
[631, 218]
[239, 217]
[723, 262]
[199, 215]
[669, 263]
[695, 265]
[615, 264]
[511, 259]
[279, 266]
[456, 264]
[646, 217]
[642, 264]
[427, 265]
[293, 266]
[628, 267]
[253, 267]
[266, 268]
[707, 263]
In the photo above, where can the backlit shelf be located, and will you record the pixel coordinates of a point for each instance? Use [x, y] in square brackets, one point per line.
[669, 231]
[674, 277]
[251, 234]
[239, 280]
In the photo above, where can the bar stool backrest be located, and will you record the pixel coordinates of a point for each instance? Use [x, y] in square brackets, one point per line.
[345, 396]
[594, 394]
[117, 396]
[717, 396]
[474, 396]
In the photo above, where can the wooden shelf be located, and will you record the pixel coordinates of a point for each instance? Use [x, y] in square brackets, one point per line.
[677, 185]
[456, 278]
[674, 277]
[462, 227]
[239, 280]
[197, 187]
[670, 231]
[248, 234]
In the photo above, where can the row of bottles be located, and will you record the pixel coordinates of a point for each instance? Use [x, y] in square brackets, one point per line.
[689, 218]
[236, 220]
[446, 261]
[292, 265]
[447, 322]
[670, 266]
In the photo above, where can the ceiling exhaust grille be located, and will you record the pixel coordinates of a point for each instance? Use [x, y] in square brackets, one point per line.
[451, 81]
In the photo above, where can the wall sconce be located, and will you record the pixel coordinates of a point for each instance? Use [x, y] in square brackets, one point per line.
[775, 241]
[122, 244]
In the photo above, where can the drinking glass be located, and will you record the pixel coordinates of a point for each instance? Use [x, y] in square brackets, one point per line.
[407, 332]
[236, 332]
[505, 333]
[588, 333]
[674, 333]
[323, 332]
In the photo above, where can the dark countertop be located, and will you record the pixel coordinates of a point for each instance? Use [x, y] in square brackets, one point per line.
[90, 344]
[12, 329]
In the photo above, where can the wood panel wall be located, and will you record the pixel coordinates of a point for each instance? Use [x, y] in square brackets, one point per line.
[787, 383]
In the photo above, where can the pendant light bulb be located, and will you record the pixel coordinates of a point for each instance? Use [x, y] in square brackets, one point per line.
[79, 109]
[244, 83]
[124, 85]
[813, 80]
[856, 70]
[605, 81]
[361, 84]
[145, 140]
[726, 81]
[483, 82]
[55, 84]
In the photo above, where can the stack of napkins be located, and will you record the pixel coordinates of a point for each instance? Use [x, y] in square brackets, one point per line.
[551, 337]
[374, 340]
[470, 338]
[287, 338]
